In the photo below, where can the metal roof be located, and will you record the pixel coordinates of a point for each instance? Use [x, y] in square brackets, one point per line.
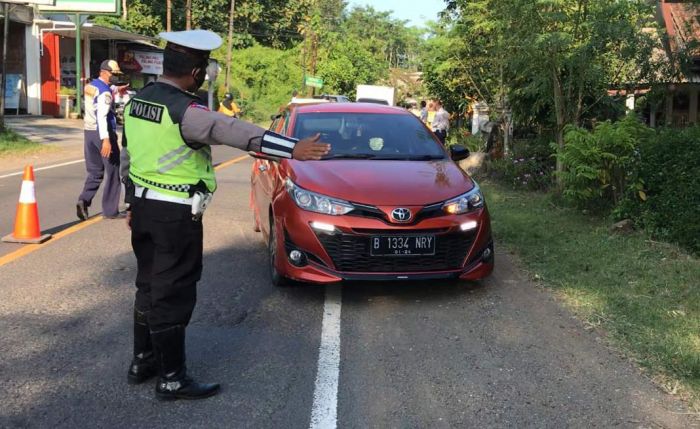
[97, 32]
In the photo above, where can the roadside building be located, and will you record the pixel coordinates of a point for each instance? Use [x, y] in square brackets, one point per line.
[673, 102]
[41, 59]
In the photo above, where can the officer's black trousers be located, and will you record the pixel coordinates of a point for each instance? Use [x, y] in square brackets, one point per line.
[168, 248]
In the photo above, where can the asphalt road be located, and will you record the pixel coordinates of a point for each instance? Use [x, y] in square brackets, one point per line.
[500, 353]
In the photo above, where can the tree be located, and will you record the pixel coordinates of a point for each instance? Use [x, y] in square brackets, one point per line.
[169, 15]
[229, 45]
[553, 60]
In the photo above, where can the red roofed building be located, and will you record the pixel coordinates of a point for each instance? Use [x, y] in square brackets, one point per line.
[680, 20]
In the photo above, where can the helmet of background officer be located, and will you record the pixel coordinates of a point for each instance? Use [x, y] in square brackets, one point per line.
[186, 56]
[110, 72]
[228, 96]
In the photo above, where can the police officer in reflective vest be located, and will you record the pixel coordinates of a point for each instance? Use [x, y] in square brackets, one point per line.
[167, 137]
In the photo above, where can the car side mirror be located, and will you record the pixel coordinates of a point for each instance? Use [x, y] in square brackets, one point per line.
[273, 117]
[459, 152]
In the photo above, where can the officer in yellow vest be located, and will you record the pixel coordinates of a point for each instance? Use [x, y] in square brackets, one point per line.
[170, 180]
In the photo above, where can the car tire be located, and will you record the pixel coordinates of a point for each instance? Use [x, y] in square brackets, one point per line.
[277, 279]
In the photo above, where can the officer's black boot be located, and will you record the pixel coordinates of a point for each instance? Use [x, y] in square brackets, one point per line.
[173, 382]
[143, 365]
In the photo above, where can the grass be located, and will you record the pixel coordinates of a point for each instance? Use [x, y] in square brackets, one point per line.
[644, 295]
[12, 143]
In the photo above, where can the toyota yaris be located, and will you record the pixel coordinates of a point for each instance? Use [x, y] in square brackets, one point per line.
[387, 203]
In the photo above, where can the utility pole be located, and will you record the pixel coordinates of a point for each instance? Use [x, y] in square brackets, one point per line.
[124, 10]
[188, 15]
[6, 30]
[168, 15]
[78, 67]
[230, 46]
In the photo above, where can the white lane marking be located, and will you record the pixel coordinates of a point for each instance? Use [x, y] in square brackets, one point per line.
[48, 167]
[324, 413]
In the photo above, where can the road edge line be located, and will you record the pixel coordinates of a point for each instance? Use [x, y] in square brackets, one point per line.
[324, 412]
[31, 248]
[48, 167]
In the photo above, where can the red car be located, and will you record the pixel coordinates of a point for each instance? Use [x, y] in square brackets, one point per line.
[387, 203]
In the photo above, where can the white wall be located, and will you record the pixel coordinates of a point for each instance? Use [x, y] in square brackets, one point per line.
[31, 40]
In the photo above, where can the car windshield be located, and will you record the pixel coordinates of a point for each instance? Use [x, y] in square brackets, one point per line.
[370, 136]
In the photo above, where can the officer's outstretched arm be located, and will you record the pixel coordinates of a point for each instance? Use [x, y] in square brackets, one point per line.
[201, 126]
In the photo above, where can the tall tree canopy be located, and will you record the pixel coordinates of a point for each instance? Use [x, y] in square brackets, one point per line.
[552, 61]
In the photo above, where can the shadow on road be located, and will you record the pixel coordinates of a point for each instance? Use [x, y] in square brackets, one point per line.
[66, 344]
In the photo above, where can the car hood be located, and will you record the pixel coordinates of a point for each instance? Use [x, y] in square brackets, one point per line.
[377, 182]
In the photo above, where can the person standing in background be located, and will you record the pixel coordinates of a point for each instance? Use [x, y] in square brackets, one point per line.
[100, 145]
[441, 122]
[423, 112]
[431, 113]
[229, 107]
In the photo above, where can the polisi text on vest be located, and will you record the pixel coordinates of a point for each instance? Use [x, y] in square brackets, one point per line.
[146, 111]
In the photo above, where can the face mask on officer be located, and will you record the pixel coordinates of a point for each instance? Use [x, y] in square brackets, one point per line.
[199, 74]
[114, 80]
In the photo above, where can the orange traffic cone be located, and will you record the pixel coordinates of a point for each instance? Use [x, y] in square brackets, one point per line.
[27, 228]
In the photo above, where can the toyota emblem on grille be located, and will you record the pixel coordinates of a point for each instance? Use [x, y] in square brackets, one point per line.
[401, 215]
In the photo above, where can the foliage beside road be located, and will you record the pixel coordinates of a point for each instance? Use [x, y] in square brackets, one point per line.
[622, 169]
[643, 293]
[12, 143]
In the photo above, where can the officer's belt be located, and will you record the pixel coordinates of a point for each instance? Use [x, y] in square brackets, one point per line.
[150, 194]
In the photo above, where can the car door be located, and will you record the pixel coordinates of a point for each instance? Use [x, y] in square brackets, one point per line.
[258, 183]
[265, 178]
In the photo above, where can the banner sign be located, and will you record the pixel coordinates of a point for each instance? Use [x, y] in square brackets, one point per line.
[150, 62]
[13, 88]
[146, 62]
[83, 6]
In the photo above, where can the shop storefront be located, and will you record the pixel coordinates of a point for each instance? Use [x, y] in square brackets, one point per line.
[58, 60]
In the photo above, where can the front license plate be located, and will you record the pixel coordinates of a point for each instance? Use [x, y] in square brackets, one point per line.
[408, 245]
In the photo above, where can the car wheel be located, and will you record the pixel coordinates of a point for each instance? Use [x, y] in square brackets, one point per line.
[277, 279]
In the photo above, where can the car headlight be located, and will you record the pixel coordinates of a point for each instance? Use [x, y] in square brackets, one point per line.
[318, 203]
[473, 199]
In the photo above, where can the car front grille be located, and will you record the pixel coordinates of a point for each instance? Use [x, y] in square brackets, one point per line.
[351, 253]
[427, 212]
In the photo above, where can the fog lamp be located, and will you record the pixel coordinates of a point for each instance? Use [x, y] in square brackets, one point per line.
[295, 255]
[297, 258]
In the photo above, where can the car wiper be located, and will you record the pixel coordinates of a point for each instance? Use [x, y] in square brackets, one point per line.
[424, 157]
[350, 156]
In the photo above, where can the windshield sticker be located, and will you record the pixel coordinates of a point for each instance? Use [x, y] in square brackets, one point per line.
[376, 143]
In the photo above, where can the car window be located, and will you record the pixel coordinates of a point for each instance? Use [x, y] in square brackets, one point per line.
[285, 126]
[370, 135]
[275, 123]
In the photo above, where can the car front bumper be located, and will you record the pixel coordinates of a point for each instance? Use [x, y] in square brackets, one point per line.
[343, 254]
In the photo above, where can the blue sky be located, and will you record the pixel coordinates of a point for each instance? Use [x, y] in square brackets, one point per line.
[416, 11]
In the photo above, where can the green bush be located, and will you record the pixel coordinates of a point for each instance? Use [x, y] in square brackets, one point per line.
[601, 166]
[529, 166]
[670, 172]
